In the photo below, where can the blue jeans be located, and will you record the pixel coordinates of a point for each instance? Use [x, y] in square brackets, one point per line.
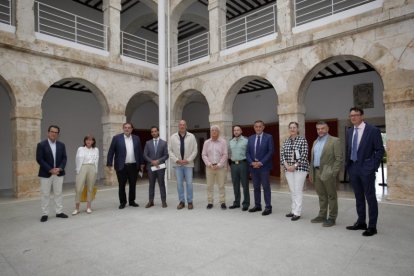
[186, 173]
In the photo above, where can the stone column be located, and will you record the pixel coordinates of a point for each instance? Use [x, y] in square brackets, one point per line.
[224, 121]
[26, 127]
[285, 21]
[217, 18]
[399, 116]
[289, 111]
[174, 41]
[25, 29]
[112, 19]
[111, 126]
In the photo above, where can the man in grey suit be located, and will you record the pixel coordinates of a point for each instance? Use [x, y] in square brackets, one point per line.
[326, 160]
[155, 154]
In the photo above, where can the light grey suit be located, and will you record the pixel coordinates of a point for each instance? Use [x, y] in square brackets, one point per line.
[161, 154]
[325, 176]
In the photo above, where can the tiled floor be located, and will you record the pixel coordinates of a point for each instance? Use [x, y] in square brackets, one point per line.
[157, 241]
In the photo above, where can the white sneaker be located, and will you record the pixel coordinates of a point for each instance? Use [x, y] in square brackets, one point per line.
[74, 213]
[89, 210]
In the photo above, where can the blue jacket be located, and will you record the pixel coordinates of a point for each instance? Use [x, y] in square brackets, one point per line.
[117, 152]
[265, 153]
[44, 157]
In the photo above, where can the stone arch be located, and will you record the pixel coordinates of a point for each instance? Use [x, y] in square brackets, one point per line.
[187, 96]
[307, 79]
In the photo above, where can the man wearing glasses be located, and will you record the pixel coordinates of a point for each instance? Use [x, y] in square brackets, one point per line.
[51, 156]
[364, 152]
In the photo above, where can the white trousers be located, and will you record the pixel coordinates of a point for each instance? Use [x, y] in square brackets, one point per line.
[296, 180]
[45, 187]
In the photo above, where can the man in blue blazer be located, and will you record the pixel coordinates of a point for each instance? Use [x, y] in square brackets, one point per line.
[51, 156]
[126, 152]
[259, 157]
[364, 152]
[155, 154]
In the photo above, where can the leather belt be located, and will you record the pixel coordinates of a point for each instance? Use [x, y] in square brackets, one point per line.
[238, 161]
[316, 168]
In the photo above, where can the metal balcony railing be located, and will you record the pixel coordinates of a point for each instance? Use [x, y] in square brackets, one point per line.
[139, 48]
[59, 23]
[5, 12]
[253, 26]
[193, 48]
[310, 10]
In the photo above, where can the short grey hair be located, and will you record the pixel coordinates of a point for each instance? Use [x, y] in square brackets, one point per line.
[215, 127]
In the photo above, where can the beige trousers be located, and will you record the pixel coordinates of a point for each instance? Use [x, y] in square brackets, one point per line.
[46, 185]
[87, 175]
[216, 176]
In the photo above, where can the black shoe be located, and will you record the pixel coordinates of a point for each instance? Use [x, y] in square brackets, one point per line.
[245, 208]
[255, 209]
[295, 218]
[289, 215]
[370, 232]
[43, 219]
[266, 212]
[223, 206]
[133, 204]
[209, 206]
[234, 206]
[122, 206]
[61, 215]
[357, 226]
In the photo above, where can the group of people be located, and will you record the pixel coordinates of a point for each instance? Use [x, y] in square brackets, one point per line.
[243, 156]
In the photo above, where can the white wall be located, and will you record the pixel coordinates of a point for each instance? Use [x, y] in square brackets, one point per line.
[6, 168]
[334, 97]
[249, 107]
[145, 116]
[77, 114]
[196, 115]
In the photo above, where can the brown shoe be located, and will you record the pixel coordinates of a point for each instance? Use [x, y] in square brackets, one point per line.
[190, 206]
[180, 206]
[149, 204]
[164, 204]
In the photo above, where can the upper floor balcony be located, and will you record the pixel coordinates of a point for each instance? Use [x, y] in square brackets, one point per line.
[254, 23]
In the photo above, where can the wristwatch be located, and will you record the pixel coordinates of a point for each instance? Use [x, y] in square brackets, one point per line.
[296, 165]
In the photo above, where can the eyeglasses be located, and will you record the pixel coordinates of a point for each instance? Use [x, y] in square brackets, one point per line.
[354, 115]
[55, 132]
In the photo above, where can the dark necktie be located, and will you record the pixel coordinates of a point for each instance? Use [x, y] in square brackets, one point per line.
[155, 146]
[256, 151]
[354, 150]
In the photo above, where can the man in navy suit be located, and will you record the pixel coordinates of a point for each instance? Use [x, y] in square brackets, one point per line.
[51, 156]
[364, 152]
[126, 152]
[155, 154]
[259, 157]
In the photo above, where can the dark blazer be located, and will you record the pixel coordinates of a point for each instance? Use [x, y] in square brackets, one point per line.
[44, 157]
[149, 152]
[265, 153]
[370, 150]
[118, 149]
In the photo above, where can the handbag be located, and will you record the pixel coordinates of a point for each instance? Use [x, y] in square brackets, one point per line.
[84, 195]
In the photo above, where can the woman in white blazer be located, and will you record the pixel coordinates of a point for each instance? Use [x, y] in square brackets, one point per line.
[87, 158]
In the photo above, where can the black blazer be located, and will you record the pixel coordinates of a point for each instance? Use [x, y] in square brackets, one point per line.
[117, 152]
[44, 157]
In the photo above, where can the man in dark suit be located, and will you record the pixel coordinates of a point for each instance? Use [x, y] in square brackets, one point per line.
[155, 154]
[126, 152]
[364, 152]
[259, 157]
[51, 156]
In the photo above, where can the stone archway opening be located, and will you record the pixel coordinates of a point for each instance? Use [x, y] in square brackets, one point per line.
[331, 88]
[254, 98]
[78, 108]
[6, 144]
[192, 107]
